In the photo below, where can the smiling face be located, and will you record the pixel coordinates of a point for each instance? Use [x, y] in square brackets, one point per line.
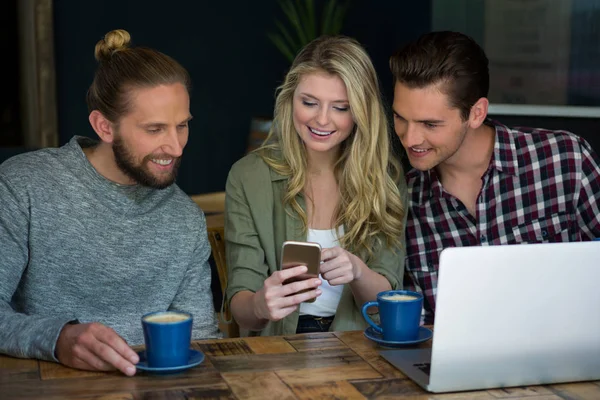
[321, 112]
[431, 132]
[149, 140]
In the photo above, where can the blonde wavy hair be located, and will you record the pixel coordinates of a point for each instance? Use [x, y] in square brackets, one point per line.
[370, 207]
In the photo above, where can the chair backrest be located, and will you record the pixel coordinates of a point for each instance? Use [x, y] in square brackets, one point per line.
[216, 237]
[217, 244]
[210, 203]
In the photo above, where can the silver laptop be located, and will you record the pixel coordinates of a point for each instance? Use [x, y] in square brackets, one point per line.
[511, 315]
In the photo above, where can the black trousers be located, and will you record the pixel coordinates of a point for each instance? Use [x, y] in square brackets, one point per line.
[311, 323]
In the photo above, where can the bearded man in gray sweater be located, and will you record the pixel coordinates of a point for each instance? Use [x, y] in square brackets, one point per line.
[95, 234]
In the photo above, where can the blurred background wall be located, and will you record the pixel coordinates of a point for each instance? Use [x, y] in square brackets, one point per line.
[224, 45]
[235, 69]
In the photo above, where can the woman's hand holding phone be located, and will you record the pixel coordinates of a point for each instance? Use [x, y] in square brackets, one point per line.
[276, 299]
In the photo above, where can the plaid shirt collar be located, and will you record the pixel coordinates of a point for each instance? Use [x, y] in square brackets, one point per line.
[504, 159]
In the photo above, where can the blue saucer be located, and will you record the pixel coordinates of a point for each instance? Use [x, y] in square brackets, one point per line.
[196, 357]
[424, 335]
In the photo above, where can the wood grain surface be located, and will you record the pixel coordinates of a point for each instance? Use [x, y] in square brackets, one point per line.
[339, 365]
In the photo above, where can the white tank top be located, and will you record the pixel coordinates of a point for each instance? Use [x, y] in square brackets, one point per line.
[326, 304]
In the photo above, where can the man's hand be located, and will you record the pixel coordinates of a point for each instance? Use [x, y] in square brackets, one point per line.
[95, 347]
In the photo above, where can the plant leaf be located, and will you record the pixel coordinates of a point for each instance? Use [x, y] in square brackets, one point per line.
[325, 17]
[292, 14]
[329, 15]
[301, 25]
[338, 18]
[310, 19]
[292, 44]
[282, 46]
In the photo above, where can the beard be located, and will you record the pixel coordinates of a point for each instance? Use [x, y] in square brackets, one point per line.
[140, 173]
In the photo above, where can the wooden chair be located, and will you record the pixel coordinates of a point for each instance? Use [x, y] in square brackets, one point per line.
[216, 236]
[210, 203]
[213, 205]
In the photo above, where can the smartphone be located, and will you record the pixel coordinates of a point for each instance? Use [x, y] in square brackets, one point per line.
[301, 253]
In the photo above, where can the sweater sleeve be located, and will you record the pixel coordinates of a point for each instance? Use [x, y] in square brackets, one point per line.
[21, 335]
[195, 295]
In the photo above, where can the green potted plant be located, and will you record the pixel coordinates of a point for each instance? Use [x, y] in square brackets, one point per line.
[302, 23]
[304, 20]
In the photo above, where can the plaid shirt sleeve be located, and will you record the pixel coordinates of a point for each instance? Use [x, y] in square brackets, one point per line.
[588, 202]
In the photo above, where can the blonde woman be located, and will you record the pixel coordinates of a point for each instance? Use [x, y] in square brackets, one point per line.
[325, 174]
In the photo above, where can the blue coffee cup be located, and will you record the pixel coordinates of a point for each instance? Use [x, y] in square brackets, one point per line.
[399, 313]
[167, 335]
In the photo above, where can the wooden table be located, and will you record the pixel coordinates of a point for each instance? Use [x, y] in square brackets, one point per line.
[311, 366]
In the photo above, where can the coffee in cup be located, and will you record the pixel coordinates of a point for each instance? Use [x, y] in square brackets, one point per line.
[399, 313]
[167, 335]
[167, 317]
[399, 297]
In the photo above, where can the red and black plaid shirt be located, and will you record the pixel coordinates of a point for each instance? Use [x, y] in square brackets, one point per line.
[540, 186]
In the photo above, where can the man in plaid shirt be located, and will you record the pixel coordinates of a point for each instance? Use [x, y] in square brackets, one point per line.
[475, 181]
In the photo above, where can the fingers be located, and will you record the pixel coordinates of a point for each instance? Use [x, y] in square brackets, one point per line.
[112, 349]
[331, 265]
[341, 280]
[330, 253]
[339, 276]
[333, 258]
[338, 269]
[282, 307]
[279, 277]
[283, 312]
[85, 359]
[299, 286]
[298, 298]
[276, 302]
[95, 347]
[335, 267]
[118, 344]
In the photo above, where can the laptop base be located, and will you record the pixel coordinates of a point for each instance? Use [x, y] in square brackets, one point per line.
[414, 363]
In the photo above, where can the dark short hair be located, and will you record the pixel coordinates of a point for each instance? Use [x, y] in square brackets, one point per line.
[451, 59]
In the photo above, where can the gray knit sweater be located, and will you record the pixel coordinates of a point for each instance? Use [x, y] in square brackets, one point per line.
[75, 246]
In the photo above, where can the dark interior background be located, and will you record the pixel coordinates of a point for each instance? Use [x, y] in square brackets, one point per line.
[9, 88]
[234, 67]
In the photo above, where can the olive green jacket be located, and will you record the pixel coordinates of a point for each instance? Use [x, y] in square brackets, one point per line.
[257, 224]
